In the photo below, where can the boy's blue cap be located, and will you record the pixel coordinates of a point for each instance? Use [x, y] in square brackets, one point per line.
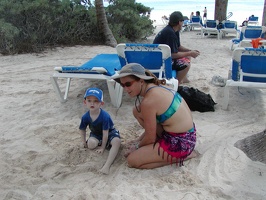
[94, 92]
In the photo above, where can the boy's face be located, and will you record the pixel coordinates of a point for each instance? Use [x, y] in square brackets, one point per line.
[92, 103]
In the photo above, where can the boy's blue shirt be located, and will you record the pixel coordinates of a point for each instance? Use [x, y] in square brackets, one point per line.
[103, 122]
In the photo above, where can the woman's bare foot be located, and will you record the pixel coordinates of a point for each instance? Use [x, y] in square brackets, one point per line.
[193, 154]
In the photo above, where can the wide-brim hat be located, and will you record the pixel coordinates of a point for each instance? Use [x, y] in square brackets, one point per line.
[134, 69]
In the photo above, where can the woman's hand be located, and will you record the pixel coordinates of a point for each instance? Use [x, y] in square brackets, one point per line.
[130, 149]
[132, 142]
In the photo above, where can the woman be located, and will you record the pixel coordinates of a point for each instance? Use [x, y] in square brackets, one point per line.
[170, 135]
[191, 15]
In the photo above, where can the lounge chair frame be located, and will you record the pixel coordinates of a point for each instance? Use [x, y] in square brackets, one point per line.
[154, 57]
[101, 67]
[248, 70]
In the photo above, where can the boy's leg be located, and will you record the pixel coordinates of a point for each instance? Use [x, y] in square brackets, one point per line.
[92, 142]
[115, 142]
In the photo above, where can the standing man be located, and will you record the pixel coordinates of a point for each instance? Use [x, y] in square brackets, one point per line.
[180, 55]
[205, 14]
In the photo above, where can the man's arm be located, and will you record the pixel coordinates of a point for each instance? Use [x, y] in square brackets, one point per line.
[183, 49]
[185, 52]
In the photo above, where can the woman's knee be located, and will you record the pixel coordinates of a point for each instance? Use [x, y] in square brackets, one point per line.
[132, 162]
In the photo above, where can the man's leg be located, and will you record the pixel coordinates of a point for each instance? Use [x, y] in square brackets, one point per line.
[182, 75]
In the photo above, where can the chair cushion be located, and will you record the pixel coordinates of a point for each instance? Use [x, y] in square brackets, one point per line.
[108, 62]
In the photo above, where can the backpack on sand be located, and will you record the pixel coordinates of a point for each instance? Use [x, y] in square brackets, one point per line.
[196, 99]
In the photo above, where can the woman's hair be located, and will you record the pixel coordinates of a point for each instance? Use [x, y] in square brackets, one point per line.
[155, 80]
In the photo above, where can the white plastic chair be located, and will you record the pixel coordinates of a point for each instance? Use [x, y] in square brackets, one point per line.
[154, 57]
[211, 28]
[101, 67]
[248, 70]
[229, 27]
[196, 22]
[247, 34]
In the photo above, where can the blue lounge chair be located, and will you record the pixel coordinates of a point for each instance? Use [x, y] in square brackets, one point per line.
[101, 67]
[211, 28]
[252, 20]
[154, 57]
[248, 70]
[247, 34]
[165, 20]
[229, 27]
[196, 22]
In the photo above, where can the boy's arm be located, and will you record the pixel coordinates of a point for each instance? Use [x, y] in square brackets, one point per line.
[83, 138]
[104, 142]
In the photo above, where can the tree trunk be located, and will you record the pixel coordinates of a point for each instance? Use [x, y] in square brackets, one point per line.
[220, 10]
[103, 26]
[264, 15]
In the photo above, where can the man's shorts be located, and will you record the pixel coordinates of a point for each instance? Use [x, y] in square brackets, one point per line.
[180, 64]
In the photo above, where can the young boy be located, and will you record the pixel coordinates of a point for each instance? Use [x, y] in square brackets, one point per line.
[103, 134]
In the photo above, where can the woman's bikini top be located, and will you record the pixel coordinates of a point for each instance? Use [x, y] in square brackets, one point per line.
[172, 108]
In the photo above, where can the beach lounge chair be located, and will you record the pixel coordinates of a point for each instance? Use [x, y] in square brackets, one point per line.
[229, 27]
[211, 28]
[248, 70]
[165, 20]
[186, 26]
[252, 20]
[196, 22]
[101, 67]
[247, 34]
[154, 57]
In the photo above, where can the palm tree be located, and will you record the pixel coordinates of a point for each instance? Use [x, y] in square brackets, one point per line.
[264, 15]
[220, 10]
[103, 26]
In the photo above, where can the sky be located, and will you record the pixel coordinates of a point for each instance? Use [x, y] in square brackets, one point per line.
[241, 9]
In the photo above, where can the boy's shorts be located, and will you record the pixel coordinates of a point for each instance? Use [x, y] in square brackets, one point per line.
[180, 64]
[112, 134]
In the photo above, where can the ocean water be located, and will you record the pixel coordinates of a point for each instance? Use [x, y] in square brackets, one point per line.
[241, 9]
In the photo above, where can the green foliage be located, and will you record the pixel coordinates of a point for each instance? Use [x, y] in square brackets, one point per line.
[7, 35]
[32, 25]
[129, 21]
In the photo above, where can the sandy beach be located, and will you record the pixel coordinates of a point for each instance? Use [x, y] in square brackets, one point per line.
[42, 156]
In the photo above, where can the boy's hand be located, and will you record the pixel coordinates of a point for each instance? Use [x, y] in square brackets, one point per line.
[85, 145]
[99, 150]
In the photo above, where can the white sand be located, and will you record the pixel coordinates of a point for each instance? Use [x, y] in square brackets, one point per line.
[41, 154]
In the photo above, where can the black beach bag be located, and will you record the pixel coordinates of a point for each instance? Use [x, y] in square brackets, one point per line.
[196, 99]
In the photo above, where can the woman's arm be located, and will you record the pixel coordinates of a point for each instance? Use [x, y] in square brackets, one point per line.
[148, 112]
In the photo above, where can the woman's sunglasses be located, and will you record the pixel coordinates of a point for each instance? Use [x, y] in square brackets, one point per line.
[127, 84]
